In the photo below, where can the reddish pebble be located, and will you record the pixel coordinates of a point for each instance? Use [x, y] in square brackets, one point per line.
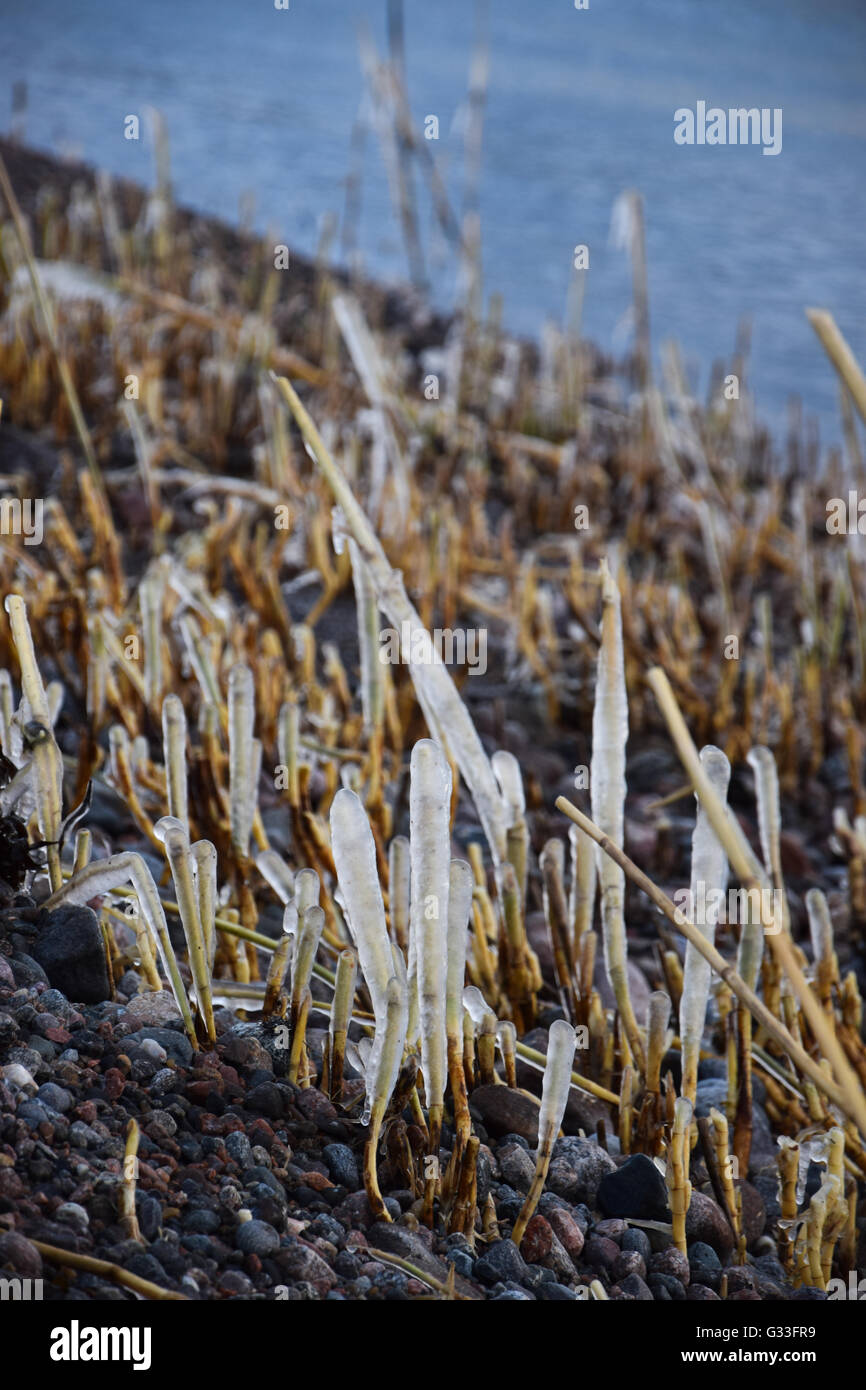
[58, 1035]
[537, 1242]
[114, 1083]
[567, 1229]
[317, 1181]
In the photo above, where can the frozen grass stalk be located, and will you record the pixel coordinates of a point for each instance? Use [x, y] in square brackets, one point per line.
[241, 707]
[174, 754]
[311, 922]
[382, 1071]
[709, 880]
[607, 782]
[354, 851]
[460, 887]
[276, 975]
[430, 843]
[341, 1015]
[554, 1098]
[399, 892]
[180, 859]
[204, 862]
[677, 1170]
[47, 763]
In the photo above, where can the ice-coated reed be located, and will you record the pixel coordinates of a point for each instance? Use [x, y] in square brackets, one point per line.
[243, 773]
[554, 1098]
[174, 755]
[46, 760]
[608, 788]
[181, 863]
[709, 879]
[430, 844]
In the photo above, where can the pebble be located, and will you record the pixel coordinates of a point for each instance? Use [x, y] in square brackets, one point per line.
[566, 1228]
[342, 1166]
[671, 1261]
[71, 951]
[636, 1239]
[516, 1166]
[577, 1169]
[665, 1288]
[500, 1262]
[156, 1008]
[503, 1110]
[555, 1293]
[632, 1287]
[636, 1189]
[628, 1262]
[175, 1044]
[74, 1215]
[601, 1253]
[705, 1221]
[19, 1254]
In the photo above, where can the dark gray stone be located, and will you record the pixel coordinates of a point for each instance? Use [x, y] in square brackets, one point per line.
[71, 951]
[342, 1166]
[637, 1189]
[257, 1238]
[501, 1261]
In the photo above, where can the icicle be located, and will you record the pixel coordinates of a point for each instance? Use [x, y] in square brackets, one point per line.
[461, 884]
[398, 881]
[354, 853]
[177, 848]
[241, 709]
[557, 1079]
[608, 788]
[174, 756]
[372, 687]
[46, 760]
[430, 842]
[277, 873]
[554, 1098]
[708, 883]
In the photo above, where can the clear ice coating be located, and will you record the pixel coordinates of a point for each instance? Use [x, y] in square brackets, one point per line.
[372, 685]
[277, 873]
[311, 923]
[460, 885]
[430, 849]
[763, 765]
[204, 863]
[475, 1004]
[386, 1054]
[177, 848]
[242, 755]
[557, 1079]
[354, 852]
[174, 756]
[506, 769]
[607, 769]
[399, 875]
[820, 925]
[307, 889]
[709, 878]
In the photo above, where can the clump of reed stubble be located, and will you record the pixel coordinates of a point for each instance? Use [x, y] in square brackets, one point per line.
[476, 503]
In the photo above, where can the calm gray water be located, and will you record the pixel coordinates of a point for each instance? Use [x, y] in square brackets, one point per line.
[580, 106]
